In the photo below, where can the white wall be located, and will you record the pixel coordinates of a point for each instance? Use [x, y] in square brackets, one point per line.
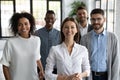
[117, 20]
[66, 6]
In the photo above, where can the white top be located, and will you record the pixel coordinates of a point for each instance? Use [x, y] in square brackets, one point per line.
[20, 55]
[84, 30]
[66, 64]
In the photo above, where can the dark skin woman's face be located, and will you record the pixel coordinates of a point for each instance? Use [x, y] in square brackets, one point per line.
[23, 27]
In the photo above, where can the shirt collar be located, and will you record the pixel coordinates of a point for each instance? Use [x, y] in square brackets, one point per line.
[48, 30]
[84, 27]
[103, 33]
[63, 44]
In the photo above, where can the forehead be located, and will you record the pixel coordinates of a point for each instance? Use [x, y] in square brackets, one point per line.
[82, 11]
[23, 19]
[69, 23]
[50, 15]
[97, 16]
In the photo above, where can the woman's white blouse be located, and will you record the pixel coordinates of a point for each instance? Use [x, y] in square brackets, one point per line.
[66, 64]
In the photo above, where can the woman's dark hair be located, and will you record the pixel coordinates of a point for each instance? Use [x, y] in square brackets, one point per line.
[15, 19]
[77, 35]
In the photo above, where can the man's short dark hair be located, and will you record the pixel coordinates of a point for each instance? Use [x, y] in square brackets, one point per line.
[81, 7]
[50, 12]
[97, 11]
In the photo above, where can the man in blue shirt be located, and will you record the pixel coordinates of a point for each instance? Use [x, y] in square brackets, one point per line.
[103, 49]
[49, 36]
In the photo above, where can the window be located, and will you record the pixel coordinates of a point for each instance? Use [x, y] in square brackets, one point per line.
[109, 8]
[6, 12]
[36, 7]
[22, 5]
[54, 5]
[39, 10]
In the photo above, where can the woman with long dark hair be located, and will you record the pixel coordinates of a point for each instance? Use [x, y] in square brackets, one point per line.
[70, 58]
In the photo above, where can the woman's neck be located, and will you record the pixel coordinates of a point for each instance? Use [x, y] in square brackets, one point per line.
[69, 42]
[69, 45]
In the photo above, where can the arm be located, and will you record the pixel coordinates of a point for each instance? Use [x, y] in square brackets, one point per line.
[82, 75]
[41, 73]
[6, 73]
[5, 60]
[115, 66]
[61, 77]
[85, 64]
[75, 76]
[50, 63]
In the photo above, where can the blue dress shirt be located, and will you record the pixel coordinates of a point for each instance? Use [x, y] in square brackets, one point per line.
[98, 58]
[48, 39]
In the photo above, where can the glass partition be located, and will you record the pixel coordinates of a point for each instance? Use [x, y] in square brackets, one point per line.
[6, 12]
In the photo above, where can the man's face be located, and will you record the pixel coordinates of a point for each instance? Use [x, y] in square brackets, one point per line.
[82, 15]
[97, 21]
[50, 19]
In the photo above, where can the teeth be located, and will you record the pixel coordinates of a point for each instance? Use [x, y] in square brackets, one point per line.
[50, 23]
[69, 33]
[23, 30]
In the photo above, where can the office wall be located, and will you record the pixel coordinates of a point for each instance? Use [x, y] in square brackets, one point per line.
[117, 20]
[67, 8]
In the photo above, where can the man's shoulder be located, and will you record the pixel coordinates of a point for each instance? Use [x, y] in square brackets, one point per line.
[90, 27]
[89, 33]
[87, 36]
[56, 31]
[40, 29]
[111, 35]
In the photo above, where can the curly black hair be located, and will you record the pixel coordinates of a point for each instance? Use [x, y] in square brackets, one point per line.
[14, 22]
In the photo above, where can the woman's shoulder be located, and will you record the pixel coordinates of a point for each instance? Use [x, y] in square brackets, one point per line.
[80, 46]
[12, 38]
[56, 46]
[34, 36]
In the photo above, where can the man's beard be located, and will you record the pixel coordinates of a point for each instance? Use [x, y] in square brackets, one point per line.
[97, 26]
[82, 20]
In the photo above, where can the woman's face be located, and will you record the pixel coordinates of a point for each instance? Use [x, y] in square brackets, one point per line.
[69, 30]
[24, 27]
